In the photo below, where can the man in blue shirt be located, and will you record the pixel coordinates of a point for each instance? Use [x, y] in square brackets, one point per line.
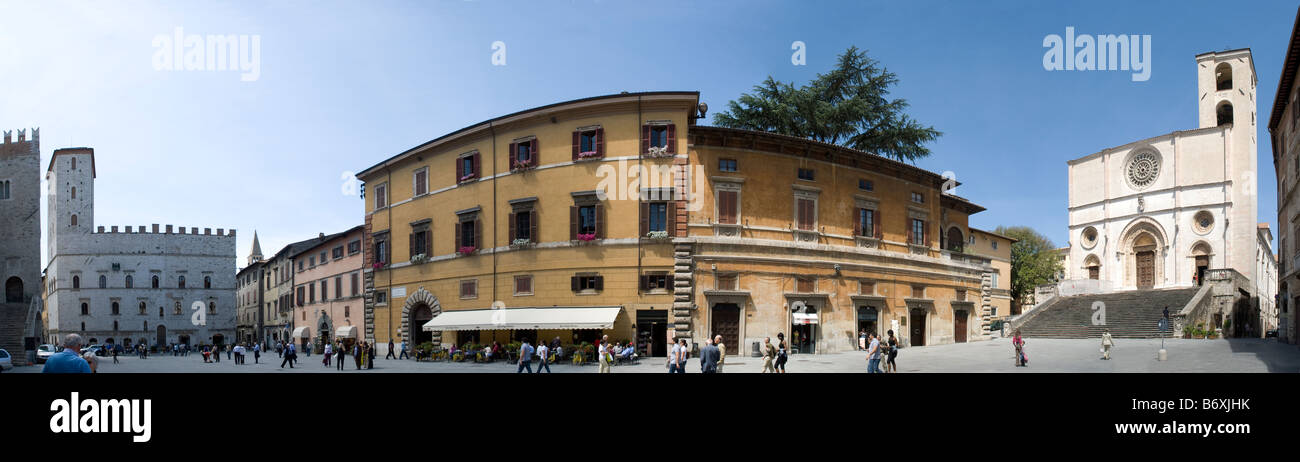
[69, 360]
[526, 358]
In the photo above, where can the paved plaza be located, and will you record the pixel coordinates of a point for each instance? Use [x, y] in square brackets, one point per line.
[1045, 355]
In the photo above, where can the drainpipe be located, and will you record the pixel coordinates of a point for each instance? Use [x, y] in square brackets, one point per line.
[493, 131]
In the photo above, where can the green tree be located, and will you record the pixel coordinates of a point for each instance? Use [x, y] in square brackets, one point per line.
[846, 106]
[1034, 260]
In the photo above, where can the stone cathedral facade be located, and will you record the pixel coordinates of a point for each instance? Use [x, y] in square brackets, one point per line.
[1159, 212]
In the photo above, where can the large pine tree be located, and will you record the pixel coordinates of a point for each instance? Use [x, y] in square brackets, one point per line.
[846, 106]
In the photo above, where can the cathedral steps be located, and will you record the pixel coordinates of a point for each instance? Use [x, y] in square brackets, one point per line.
[13, 322]
[1129, 314]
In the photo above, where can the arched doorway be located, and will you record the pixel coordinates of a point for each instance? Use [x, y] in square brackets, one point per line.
[1144, 268]
[162, 335]
[1201, 258]
[218, 340]
[408, 329]
[1093, 264]
[420, 314]
[1143, 245]
[13, 290]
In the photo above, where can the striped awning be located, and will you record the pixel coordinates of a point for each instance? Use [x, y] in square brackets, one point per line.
[599, 317]
[346, 332]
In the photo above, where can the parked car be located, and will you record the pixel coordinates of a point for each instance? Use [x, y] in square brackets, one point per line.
[6, 362]
[97, 350]
[44, 352]
[1270, 333]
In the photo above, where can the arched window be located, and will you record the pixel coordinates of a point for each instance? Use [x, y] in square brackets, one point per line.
[160, 311]
[129, 282]
[1224, 113]
[146, 329]
[116, 311]
[142, 308]
[180, 282]
[74, 219]
[83, 326]
[207, 282]
[76, 282]
[13, 290]
[1223, 76]
[177, 309]
[212, 308]
[103, 281]
[114, 326]
[155, 282]
[74, 163]
[74, 192]
[85, 309]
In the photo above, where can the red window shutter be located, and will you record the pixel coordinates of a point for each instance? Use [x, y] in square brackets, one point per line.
[532, 226]
[514, 154]
[727, 202]
[478, 234]
[478, 173]
[600, 142]
[577, 143]
[645, 139]
[458, 238]
[672, 219]
[875, 223]
[534, 150]
[512, 227]
[573, 283]
[600, 221]
[672, 139]
[645, 219]
[573, 222]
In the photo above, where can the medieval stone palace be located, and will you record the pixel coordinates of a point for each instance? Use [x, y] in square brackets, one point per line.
[130, 285]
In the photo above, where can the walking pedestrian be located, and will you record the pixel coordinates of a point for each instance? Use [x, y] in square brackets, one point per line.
[769, 354]
[216, 353]
[1019, 344]
[873, 354]
[403, 348]
[862, 340]
[257, 352]
[391, 346]
[340, 351]
[114, 355]
[286, 356]
[526, 358]
[329, 351]
[1106, 343]
[230, 349]
[603, 353]
[544, 353]
[782, 353]
[709, 356]
[370, 356]
[722, 351]
[890, 366]
[357, 351]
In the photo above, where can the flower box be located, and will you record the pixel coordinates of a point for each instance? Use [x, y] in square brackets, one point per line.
[466, 250]
[661, 151]
[587, 237]
[378, 265]
[521, 243]
[466, 178]
[521, 166]
[588, 155]
[657, 235]
[419, 258]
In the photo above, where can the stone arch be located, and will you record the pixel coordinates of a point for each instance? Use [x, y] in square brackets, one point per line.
[1090, 262]
[955, 239]
[1223, 77]
[418, 298]
[1143, 235]
[1223, 113]
[14, 290]
[1201, 254]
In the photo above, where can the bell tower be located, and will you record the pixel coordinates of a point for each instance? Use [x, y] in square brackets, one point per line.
[1226, 84]
[71, 195]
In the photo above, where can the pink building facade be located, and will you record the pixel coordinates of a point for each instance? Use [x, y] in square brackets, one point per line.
[328, 291]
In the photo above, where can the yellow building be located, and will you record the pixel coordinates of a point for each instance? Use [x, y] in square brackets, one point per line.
[998, 249]
[646, 226]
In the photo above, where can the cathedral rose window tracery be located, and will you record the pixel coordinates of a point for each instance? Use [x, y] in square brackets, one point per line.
[1142, 169]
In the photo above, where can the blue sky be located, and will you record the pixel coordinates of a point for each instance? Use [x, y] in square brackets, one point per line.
[344, 85]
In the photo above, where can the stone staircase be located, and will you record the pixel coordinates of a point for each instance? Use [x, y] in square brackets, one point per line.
[1129, 314]
[13, 326]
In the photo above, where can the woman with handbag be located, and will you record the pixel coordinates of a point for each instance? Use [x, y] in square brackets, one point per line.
[890, 366]
[782, 353]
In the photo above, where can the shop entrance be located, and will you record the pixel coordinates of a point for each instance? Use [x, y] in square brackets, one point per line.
[868, 317]
[420, 314]
[652, 332]
[803, 333]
